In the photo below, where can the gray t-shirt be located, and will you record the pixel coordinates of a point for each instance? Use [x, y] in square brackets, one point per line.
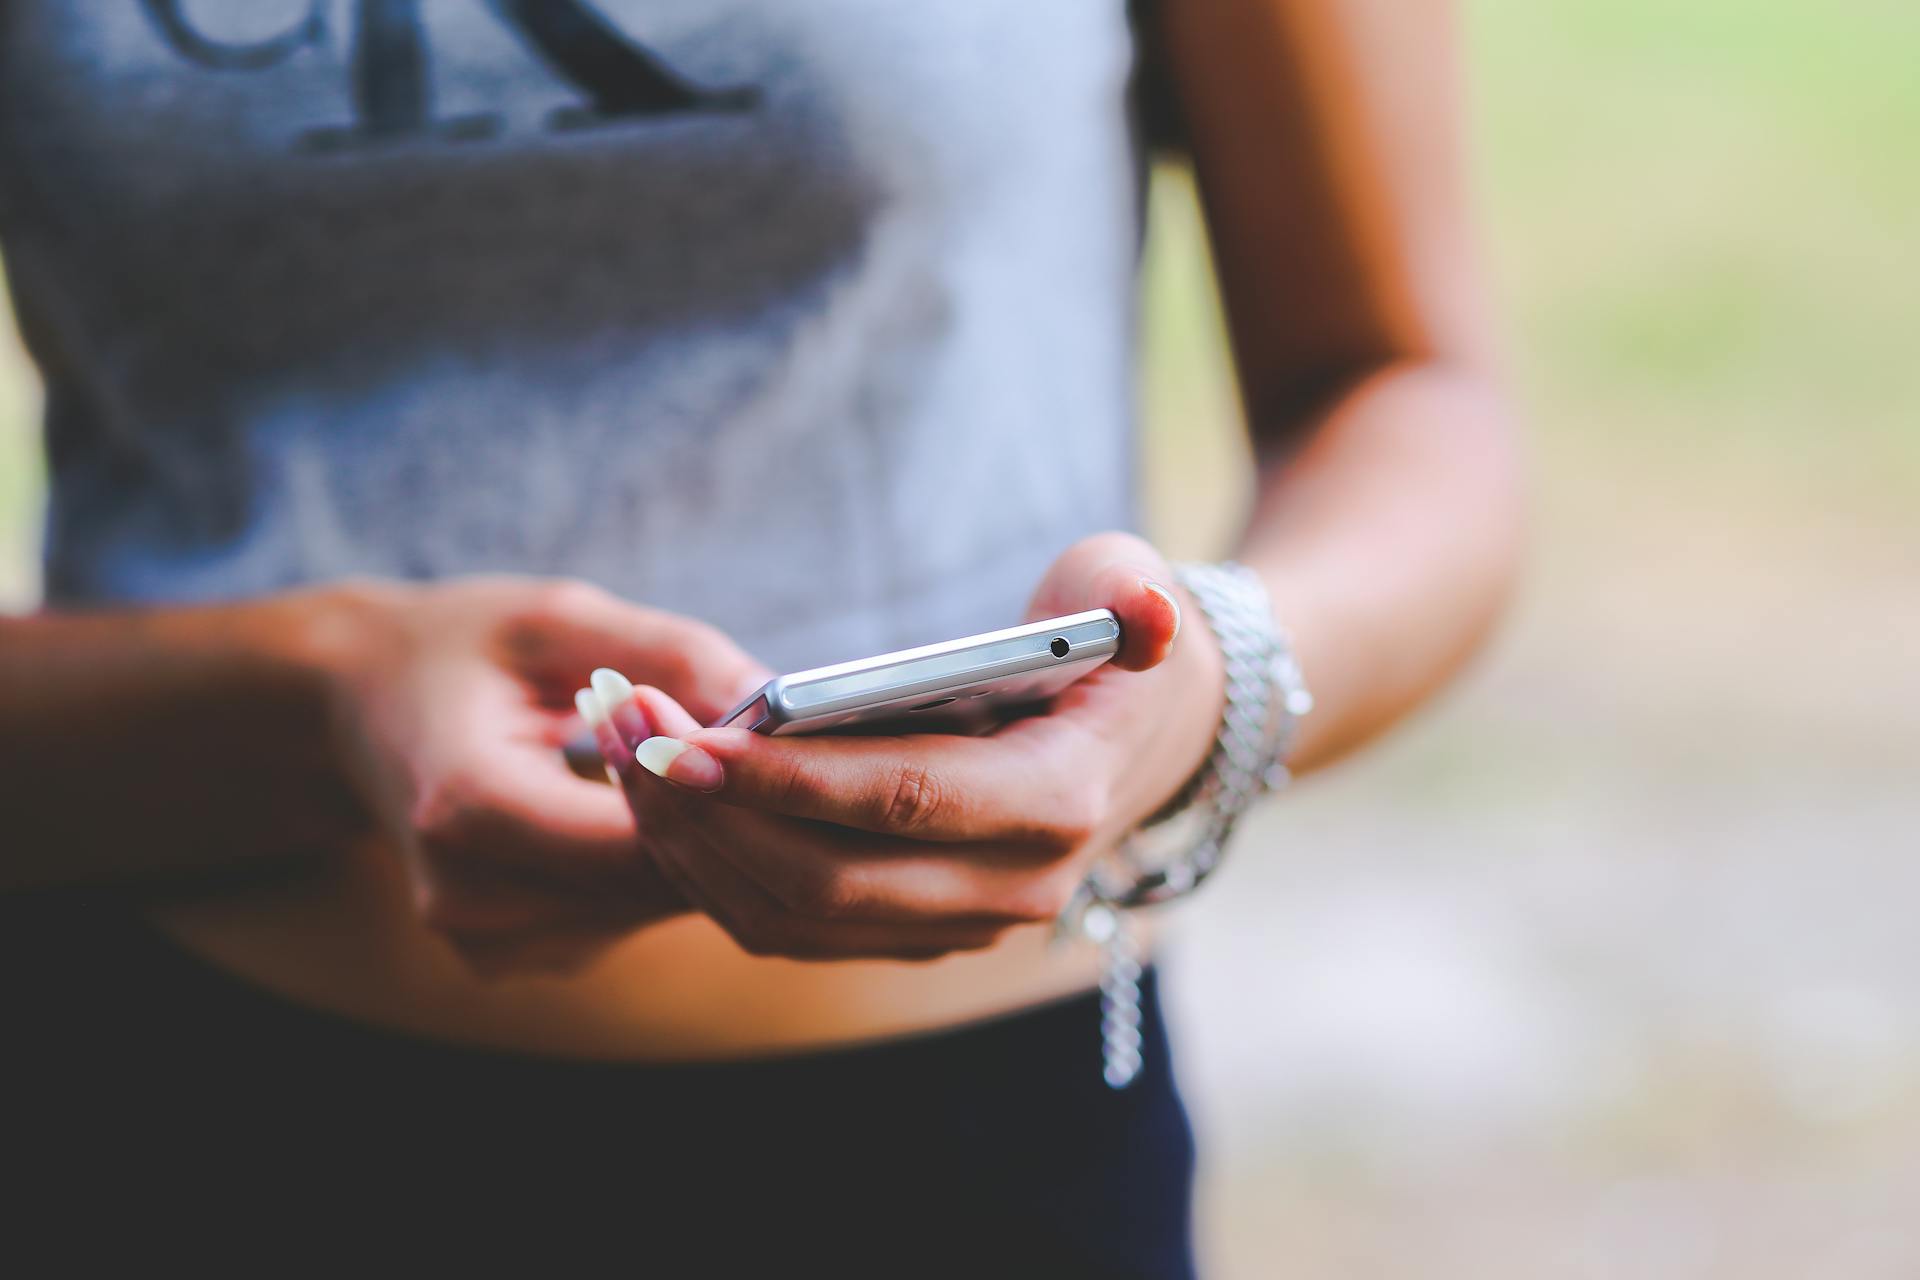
[812, 318]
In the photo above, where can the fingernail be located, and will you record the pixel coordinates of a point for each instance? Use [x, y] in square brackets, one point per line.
[616, 691]
[680, 762]
[612, 687]
[1168, 596]
[605, 736]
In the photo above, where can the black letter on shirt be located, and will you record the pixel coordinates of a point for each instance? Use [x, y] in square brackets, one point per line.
[191, 45]
[390, 68]
[618, 77]
[391, 93]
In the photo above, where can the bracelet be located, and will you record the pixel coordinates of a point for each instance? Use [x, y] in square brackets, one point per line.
[1180, 846]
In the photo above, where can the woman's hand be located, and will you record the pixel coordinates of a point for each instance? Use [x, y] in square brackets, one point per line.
[458, 700]
[918, 845]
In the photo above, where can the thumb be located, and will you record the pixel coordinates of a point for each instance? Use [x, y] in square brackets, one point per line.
[1123, 573]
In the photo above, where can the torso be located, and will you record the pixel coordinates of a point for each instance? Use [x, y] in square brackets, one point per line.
[346, 940]
[849, 323]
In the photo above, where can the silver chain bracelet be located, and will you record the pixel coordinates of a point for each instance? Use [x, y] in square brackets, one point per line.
[1266, 696]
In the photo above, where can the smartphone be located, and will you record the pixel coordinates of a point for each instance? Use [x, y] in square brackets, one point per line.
[960, 685]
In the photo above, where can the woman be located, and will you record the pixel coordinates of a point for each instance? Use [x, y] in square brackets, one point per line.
[722, 338]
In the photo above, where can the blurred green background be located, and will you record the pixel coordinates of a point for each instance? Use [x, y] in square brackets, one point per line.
[1606, 966]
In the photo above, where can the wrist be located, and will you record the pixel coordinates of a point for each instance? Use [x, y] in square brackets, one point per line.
[302, 664]
[1183, 736]
[1263, 697]
[330, 637]
[228, 710]
[1203, 680]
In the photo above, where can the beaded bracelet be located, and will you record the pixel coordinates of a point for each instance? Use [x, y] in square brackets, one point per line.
[1266, 697]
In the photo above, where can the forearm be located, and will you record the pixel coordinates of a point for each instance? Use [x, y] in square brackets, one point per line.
[143, 743]
[1389, 543]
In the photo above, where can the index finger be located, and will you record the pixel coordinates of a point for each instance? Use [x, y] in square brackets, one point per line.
[935, 787]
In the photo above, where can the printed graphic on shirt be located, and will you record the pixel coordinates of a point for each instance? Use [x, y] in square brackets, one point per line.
[391, 61]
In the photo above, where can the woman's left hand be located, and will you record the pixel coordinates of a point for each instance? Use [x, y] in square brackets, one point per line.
[917, 845]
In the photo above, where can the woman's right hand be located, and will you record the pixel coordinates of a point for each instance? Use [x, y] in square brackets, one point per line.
[457, 698]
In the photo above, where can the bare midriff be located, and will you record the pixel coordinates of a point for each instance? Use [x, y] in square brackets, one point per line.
[347, 941]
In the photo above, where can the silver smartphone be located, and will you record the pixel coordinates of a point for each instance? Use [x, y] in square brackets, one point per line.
[957, 686]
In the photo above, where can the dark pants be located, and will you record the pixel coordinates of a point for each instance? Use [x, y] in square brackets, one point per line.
[145, 1087]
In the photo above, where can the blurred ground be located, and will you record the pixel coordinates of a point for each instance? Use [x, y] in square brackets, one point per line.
[1606, 966]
